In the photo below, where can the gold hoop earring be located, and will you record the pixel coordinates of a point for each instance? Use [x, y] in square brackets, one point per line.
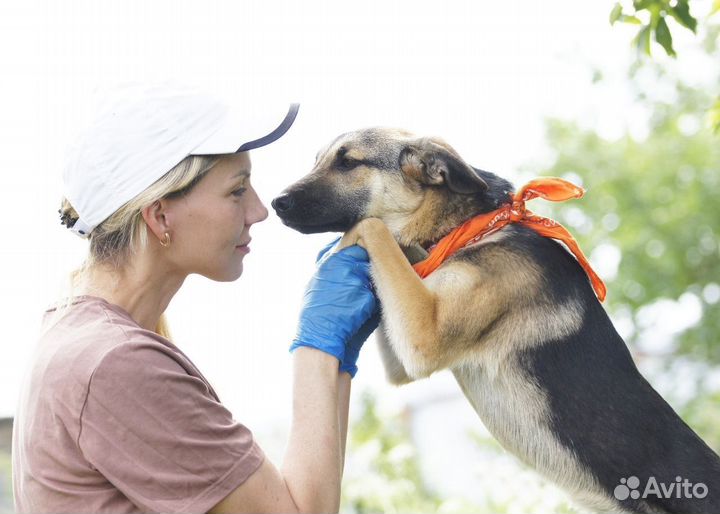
[165, 241]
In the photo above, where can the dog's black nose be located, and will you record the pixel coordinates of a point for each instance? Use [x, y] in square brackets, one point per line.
[282, 203]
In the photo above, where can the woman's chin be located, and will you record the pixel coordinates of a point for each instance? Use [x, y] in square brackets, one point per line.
[226, 275]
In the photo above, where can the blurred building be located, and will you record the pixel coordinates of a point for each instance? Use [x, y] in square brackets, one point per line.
[6, 502]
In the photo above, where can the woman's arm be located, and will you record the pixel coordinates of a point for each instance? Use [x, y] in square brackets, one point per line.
[344, 381]
[338, 302]
[309, 479]
[314, 457]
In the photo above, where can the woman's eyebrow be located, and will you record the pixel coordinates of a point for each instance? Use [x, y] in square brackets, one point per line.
[241, 174]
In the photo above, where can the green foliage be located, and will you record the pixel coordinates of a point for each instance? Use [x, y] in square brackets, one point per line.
[386, 473]
[657, 12]
[714, 116]
[703, 415]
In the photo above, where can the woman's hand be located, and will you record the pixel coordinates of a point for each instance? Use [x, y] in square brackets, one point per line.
[338, 301]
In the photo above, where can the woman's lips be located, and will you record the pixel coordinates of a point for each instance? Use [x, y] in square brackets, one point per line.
[245, 247]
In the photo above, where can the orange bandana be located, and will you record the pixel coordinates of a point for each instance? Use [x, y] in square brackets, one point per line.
[474, 229]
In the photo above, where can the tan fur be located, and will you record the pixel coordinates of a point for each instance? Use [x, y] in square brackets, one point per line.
[444, 320]
[463, 312]
[419, 226]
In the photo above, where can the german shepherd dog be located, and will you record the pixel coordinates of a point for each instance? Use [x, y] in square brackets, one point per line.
[513, 317]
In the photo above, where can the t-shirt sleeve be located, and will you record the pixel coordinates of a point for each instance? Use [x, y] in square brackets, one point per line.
[158, 434]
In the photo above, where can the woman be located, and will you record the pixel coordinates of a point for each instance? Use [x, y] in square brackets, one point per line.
[113, 416]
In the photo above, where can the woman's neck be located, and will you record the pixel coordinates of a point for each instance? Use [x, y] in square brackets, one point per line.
[143, 292]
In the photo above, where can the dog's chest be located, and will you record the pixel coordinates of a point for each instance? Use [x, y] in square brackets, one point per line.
[512, 408]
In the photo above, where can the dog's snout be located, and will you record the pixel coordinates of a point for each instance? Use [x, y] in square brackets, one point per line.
[282, 203]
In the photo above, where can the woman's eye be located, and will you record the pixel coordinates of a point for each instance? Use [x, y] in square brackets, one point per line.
[239, 191]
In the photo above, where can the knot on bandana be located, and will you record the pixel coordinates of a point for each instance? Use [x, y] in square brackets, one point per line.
[474, 229]
[517, 210]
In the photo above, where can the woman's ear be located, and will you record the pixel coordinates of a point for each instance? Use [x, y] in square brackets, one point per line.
[155, 217]
[434, 162]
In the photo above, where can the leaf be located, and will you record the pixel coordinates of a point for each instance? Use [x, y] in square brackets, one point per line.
[663, 36]
[616, 13]
[681, 13]
[714, 117]
[715, 7]
[639, 5]
[632, 20]
[642, 40]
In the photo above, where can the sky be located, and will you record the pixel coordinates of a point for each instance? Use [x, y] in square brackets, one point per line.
[482, 75]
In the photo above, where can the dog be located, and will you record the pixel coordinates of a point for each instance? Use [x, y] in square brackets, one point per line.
[513, 316]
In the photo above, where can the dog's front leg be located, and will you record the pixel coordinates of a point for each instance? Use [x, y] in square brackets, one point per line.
[410, 309]
[395, 371]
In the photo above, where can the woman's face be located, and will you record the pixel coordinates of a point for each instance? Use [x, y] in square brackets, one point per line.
[211, 224]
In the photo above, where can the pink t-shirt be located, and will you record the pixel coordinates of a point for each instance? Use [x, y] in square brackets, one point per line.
[115, 418]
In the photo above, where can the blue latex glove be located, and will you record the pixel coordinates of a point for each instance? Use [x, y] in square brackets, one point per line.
[353, 346]
[338, 301]
[325, 251]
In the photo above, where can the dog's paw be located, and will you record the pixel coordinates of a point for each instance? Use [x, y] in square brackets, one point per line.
[351, 237]
[354, 236]
[362, 232]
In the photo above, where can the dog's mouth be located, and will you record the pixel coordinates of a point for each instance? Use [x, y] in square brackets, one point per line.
[313, 214]
[340, 225]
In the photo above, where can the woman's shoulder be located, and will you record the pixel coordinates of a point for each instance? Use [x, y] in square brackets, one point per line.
[95, 346]
[79, 334]
[88, 324]
[85, 311]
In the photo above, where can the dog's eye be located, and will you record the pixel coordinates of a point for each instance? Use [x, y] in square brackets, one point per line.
[345, 163]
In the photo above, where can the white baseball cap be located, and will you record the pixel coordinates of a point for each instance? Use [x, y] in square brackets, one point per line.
[142, 131]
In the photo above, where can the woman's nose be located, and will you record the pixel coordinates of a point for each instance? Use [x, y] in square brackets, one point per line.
[258, 211]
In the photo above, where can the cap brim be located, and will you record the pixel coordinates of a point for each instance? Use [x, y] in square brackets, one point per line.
[240, 131]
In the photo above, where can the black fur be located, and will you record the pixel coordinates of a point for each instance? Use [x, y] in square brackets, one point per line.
[602, 408]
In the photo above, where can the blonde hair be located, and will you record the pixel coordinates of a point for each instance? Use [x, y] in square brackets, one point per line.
[124, 232]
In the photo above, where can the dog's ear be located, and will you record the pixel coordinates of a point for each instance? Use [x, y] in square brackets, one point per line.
[434, 162]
